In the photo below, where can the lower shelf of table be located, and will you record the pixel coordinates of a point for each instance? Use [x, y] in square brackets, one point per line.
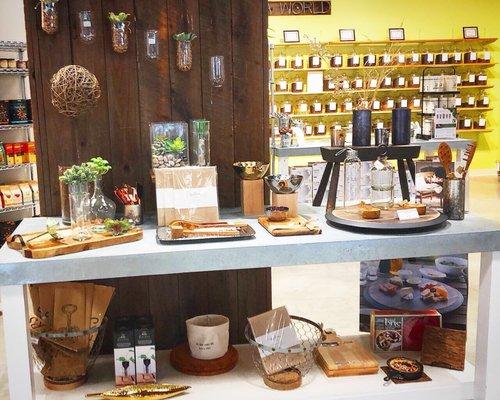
[243, 383]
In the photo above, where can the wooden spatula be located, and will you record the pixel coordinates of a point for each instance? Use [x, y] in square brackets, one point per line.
[445, 156]
[469, 155]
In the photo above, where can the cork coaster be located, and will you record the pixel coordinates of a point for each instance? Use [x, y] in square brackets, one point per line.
[424, 378]
[288, 379]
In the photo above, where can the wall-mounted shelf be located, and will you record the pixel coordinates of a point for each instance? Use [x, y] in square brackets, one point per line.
[23, 207]
[13, 127]
[395, 67]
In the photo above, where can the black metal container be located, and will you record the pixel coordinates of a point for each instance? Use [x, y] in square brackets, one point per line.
[401, 126]
[361, 127]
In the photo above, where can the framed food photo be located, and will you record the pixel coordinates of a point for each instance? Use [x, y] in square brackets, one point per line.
[471, 32]
[347, 35]
[291, 36]
[396, 34]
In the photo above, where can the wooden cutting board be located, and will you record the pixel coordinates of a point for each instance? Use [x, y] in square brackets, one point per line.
[444, 348]
[44, 247]
[290, 227]
[348, 358]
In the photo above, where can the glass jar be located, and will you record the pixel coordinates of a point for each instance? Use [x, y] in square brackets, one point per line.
[320, 129]
[280, 62]
[470, 57]
[465, 123]
[428, 58]
[152, 44]
[414, 81]
[170, 144]
[345, 84]
[316, 107]
[382, 184]
[336, 61]
[308, 129]
[282, 85]
[402, 102]
[217, 71]
[457, 57]
[483, 100]
[347, 105]
[357, 83]
[297, 85]
[378, 124]
[64, 197]
[372, 83]
[458, 102]
[416, 103]
[400, 81]
[119, 35]
[314, 61]
[50, 17]
[297, 62]
[199, 143]
[337, 135]
[376, 105]
[352, 179]
[400, 58]
[87, 30]
[79, 206]
[386, 82]
[470, 100]
[353, 60]
[470, 79]
[328, 83]
[480, 123]
[414, 59]
[331, 106]
[302, 107]
[101, 206]
[370, 60]
[388, 104]
[484, 56]
[286, 107]
[442, 57]
[385, 59]
[481, 78]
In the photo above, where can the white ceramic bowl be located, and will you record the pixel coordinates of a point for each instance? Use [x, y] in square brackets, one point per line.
[208, 336]
[430, 273]
[451, 266]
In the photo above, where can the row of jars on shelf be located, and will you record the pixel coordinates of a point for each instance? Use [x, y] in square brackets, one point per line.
[386, 59]
[358, 83]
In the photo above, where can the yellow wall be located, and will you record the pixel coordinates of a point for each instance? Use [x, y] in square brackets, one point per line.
[422, 19]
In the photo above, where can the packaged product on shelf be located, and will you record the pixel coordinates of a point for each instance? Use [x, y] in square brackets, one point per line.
[428, 58]
[400, 58]
[18, 153]
[145, 350]
[357, 83]
[414, 59]
[331, 106]
[280, 62]
[3, 155]
[314, 61]
[5, 196]
[353, 60]
[457, 57]
[465, 123]
[25, 152]
[483, 100]
[9, 152]
[370, 60]
[297, 86]
[336, 61]
[469, 79]
[470, 57]
[480, 123]
[124, 352]
[34, 189]
[385, 59]
[328, 83]
[484, 56]
[470, 100]
[414, 82]
[442, 57]
[481, 78]
[18, 111]
[281, 85]
[400, 81]
[4, 112]
[11, 63]
[17, 196]
[316, 107]
[31, 152]
[297, 62]
[386, 82]
[26, 192]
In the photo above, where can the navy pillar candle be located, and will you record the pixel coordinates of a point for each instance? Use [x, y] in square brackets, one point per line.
[401, 126]
[361, 127]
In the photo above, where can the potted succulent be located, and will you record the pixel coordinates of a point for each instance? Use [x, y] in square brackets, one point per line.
[101, 206]
[78, 178]
[169, 153]
[119, 31]
[184, 50]
[49, 15]
[117, 227]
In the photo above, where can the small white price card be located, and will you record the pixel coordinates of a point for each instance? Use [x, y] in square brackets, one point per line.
[407, 213]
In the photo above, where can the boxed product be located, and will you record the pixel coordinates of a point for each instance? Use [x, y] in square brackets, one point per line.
[145, 352]
[26, 192]
[394, 330]
[124, 352]
[188, 193]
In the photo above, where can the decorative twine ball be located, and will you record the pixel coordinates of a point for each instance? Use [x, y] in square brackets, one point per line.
[75, 90]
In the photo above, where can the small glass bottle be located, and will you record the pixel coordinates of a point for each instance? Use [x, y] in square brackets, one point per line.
[457, 57]
[414, 59]
[87, 30]
[336, 61]
[387, 81]
[442, 57]
[331, 106]
[370, 60]
[470, 57]
[382, 184]
[470, 79]
[388, 103]
[316, 107]
[357, 83]
[483, 100]
[428, 58]
[286, 107]
[465, 123]
[345, 84]
[314, 61]
[217, 71]
[376, 105]
[400, 58]
[302, 107]
[416, 103]
[353, 60]
[320, 129]
[152, 45]
[400, 81]
[199, 143]
[282, 85]
[280, 62]
[480, 123]
[328, 83]
[297, 85]
[297, 62]
[414, 81]
[402, 102]
[470, 100]
[481, 78]
[352, 179]
[347, 105]
[385, 59]
[484, 56]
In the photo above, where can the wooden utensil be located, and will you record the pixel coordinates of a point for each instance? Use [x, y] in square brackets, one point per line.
[469, 155]
[445, 157]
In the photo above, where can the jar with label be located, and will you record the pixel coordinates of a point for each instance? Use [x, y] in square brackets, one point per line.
[297, 85]
[378, 124]
[320, 129]
[458, 79]
[369, 60]
[302, 107]
[331, 106]
[414, 59]
[372, 83]
[428, 58]
[481, 78]
[316, 107]
[337, 135]
[282, 85]
[442, 57]
[416, 103]
[328, 83]
[357, 83]
[456, 57]
[345, 84]
[480, 123]
[314, 61]
[347, 105]
[400, 58]
[470, 57]
[353, 60]
[308, 129]
[385, 59]
[280, 62]
[484, 56]
[465, 123]
[458, 102]
[402, 102]
[469, 79]
[470, 100]
[376, 105]
[483, 100]
[400, 81]
[336, 61]
[286, 107]
[382, 184]
[336, 126]
[386, 82]
[388, 104]
[414, 81]
[297, 62]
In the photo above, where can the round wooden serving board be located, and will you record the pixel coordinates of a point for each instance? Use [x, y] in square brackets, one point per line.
[182, 360]
[288, 379]
[350, 218]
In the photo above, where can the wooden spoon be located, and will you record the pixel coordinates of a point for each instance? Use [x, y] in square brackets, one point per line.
[445, 156]
[469, 155]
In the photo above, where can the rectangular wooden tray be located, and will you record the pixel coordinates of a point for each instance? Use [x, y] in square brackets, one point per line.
[290, 227]
[163, 236]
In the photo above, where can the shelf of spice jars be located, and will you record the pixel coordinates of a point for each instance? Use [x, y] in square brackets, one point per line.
[27, 206]
[14, 166]
[12, 127]
[14, 71]
[477, 41]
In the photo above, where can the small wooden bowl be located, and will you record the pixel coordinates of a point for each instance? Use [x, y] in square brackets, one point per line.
[277, 213]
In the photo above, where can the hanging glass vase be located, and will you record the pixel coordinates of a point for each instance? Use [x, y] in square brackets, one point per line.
[50, 18]
[119, 36]
[79, 205]
[87, 30]
[101, 207]
[184, 55]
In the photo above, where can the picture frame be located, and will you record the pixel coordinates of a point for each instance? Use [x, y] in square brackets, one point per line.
[470, 32]
[347, 35]
[396, 34]
[291, 36]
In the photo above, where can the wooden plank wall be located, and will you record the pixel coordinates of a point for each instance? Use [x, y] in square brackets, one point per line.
[137, 91]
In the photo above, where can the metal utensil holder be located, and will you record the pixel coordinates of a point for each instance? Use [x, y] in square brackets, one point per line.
[454, 199]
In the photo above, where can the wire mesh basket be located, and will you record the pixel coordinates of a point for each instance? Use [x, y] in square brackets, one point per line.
[65, 357]
[299, 359]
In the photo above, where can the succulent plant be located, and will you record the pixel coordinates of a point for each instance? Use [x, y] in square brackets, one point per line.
[78, 174]
[99, 165]
[117, 226]
[185, 37]
[163, 145]
[120, 17]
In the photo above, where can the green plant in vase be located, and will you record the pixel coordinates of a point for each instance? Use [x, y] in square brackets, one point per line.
[168, 153]
[184, 50]
[101, 206]
[119, 31]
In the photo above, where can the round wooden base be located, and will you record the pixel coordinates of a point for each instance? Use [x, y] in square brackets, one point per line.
[64, 386]
[288, 379]
[182, 360]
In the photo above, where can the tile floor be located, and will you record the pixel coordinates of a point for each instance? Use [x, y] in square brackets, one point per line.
[330, 293]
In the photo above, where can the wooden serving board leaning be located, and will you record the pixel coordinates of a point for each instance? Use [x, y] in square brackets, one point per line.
[44, 246]
[290, 227]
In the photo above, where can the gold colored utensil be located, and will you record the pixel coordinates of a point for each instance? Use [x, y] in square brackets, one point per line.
[142, 392]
